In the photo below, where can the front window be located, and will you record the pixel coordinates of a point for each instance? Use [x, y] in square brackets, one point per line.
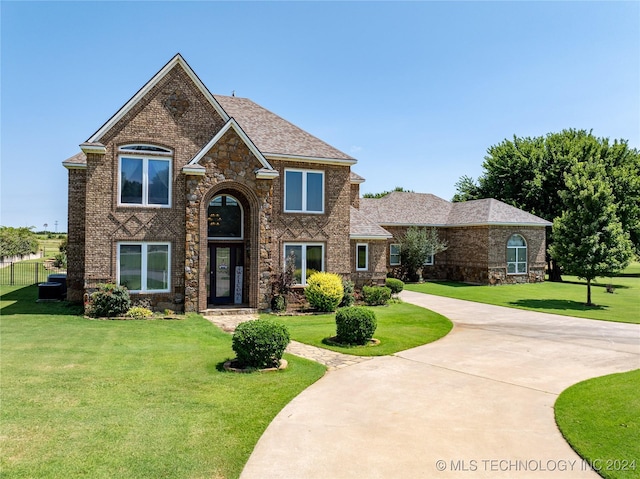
[308, 259]
[394, 255]
[224, 218]
[144, 180]
[303, 191]
[362, 257]
[516, 255]
[144, 267]
[429, 261]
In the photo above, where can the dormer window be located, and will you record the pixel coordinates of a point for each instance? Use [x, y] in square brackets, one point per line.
[144, 175]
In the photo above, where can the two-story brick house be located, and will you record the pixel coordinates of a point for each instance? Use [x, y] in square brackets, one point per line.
[194, 200]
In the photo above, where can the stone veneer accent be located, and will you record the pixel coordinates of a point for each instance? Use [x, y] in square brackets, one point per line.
[230, 169]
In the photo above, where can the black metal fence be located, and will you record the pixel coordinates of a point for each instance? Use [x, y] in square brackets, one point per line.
[26, 273]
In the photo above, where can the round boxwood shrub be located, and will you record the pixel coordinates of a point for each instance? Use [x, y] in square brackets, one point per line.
[355, 325]
[324, 291]
[376, 295]
[109, 301]
[260, 343]
[395, 285]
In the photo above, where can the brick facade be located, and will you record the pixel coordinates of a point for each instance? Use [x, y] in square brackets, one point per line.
[478, 254]
[330, 228]
[175, 112]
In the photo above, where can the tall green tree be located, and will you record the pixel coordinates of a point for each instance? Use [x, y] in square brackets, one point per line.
[416, 246]
[17, 241]
[588, 238]
[530, 173]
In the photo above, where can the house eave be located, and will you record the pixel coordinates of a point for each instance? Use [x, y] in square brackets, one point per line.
[193, 170]
[89, 147]
[370, 237]
[74, 166]
[464, 225]
[266, 174]
[311, 159]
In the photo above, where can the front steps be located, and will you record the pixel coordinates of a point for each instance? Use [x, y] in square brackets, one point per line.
[229, 310]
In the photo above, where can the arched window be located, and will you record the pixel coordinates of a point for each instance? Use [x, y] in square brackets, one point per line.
[516, 255]
[144, 176]
[225, 218]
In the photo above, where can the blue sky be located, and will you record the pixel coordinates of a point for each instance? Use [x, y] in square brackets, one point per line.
[416, 91]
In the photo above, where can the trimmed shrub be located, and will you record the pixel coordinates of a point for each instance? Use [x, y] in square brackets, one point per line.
[260, 343]
[110, 300]
[349, 293]
[278, 303]
[355, 325]
[376, 295]
[139, 313]
[324, 291]
[395, 285]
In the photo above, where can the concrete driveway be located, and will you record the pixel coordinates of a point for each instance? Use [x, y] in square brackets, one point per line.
[477, 403]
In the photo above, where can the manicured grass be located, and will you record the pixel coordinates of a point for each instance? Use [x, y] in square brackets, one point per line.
[567, 298]
[49, 246]
[143, 399]
[400, 326]
[600, 418]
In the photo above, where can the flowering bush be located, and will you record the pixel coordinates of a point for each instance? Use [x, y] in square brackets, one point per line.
[324, 291]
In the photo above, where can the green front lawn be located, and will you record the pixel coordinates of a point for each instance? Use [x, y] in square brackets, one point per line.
[567, 298]
[96, 398]
[600, 418]
[400, 326]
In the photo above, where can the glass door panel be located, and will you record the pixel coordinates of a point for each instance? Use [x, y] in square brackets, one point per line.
[223, 273]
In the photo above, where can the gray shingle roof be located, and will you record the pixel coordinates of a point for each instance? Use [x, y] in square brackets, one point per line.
[274, 135]
[491, 211]
[362, 227]
[402, 208]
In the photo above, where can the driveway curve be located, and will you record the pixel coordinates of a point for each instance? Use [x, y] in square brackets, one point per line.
[477, 403]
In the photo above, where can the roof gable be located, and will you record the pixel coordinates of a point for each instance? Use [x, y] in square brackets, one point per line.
[176, 61]
[266, 172]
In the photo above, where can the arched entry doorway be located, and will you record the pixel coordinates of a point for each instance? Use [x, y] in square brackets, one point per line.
[226, 250]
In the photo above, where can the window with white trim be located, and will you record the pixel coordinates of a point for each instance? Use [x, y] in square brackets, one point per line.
[394, 254]
[303, 191]
[308, 259]
[144, 267]
[144, 177]
[429, 261]
[516, 255]
[362, 257]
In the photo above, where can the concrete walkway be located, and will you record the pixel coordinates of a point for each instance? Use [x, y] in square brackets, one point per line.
[477, 403]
